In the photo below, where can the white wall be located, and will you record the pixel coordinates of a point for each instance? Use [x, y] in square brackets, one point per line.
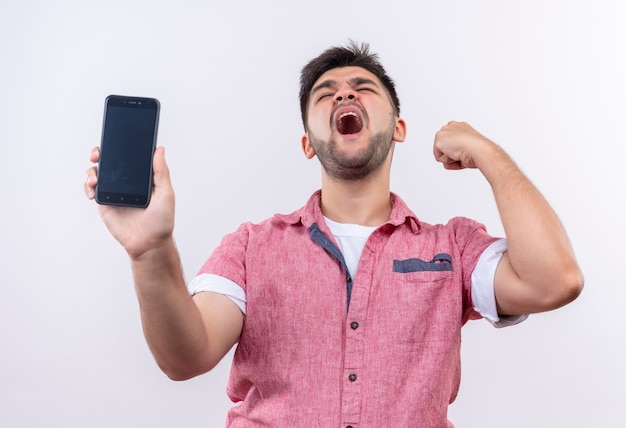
[545, 79]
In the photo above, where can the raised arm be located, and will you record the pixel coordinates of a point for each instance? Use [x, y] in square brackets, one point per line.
[539, 271]
[186, 336]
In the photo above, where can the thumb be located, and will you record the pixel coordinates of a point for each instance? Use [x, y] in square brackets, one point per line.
[161, 171]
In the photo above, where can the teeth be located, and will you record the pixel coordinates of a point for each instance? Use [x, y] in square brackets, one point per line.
[349, 126]
[349, 113]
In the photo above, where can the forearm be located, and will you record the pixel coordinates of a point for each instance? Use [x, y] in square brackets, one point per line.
[539, 251]
[171, 321]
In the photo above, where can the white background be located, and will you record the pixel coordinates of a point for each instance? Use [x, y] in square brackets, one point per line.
[545, 79]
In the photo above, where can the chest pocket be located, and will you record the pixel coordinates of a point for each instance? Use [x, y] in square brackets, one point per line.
[428, 301]
[441, 262]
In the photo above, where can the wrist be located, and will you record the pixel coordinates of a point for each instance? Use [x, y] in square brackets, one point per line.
[156, 266]
[155, 251]
[494, 162]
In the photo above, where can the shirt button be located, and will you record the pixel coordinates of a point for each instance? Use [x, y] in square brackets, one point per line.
[354, 325]
[349, 426]
[352, 377]
[348, 278]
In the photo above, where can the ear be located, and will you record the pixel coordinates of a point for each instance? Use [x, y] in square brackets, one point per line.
[307, 148]
[400, 131]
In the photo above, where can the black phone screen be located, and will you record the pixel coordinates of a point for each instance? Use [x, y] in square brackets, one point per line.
[128, 142]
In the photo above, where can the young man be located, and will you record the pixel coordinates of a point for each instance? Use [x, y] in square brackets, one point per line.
[348, 311]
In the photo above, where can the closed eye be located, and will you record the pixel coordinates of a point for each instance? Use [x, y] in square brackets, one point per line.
[323, 96]
[367, 89]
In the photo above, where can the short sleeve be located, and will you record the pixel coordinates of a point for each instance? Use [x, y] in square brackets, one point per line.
[228, 260]
[483, 289]
[221, 285]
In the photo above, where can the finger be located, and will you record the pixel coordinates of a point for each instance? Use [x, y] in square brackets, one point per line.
[90, 183]
[453, 165]
[94, 156]
[437, 153]
[448, 162]
[443, 158]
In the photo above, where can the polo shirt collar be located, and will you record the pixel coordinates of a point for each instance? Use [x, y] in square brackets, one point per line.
[312, 213]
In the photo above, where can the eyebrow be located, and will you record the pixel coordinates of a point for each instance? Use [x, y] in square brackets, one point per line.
[355, 81]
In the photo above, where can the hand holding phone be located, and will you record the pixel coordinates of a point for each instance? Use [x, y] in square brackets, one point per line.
[138, 230]
[129, 135]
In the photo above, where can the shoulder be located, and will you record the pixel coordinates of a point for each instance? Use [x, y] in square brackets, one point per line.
[460, 226]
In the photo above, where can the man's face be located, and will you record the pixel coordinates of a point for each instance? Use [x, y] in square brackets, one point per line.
[351, 124]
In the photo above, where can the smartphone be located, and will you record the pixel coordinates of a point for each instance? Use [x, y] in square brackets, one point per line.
[129, 135]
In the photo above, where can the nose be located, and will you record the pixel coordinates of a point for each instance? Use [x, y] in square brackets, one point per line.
[345, 94]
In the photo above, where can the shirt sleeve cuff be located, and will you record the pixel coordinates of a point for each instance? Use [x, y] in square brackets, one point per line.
[483, 290]
[219, 284]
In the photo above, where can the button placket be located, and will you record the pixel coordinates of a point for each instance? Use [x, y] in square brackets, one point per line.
[355, 339]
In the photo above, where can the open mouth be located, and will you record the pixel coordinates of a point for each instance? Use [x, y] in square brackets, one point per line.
[349, 122]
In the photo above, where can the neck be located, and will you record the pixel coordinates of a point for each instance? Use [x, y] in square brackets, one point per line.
[365, 202]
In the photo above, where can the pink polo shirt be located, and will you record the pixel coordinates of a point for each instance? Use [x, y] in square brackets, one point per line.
[322, 349]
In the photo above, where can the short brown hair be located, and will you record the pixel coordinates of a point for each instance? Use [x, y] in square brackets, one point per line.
[353, 55]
